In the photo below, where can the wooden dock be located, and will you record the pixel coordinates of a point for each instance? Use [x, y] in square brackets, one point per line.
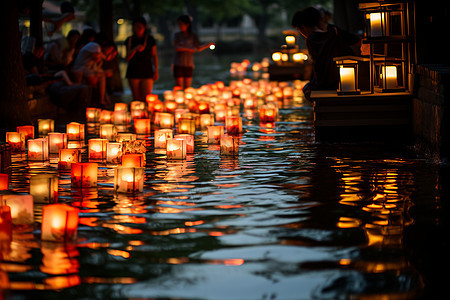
[364, 117]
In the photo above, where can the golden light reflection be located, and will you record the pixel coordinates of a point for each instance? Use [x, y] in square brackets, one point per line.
[120, 253]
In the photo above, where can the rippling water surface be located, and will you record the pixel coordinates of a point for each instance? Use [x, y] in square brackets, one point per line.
[287, 218]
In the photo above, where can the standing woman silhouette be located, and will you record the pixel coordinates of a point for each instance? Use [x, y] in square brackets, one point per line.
[142, 59]
[186, 44]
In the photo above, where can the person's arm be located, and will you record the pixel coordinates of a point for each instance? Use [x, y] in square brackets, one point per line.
[205, 46]
[132, 51]
[155, 61]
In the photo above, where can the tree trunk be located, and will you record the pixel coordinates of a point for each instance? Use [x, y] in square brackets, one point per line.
[14, 109]
[106, 18]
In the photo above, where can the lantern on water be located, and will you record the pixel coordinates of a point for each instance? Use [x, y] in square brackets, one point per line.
[114, 152]
[188, 140]
[124, 136]
[151, 98]
[176, 149]
[166, 120]
[4, 181]
[161, 137]
[179, 112]
[84, 175]
[16, 140]
[186, 125]
[75, 131]
[108, 132]
[120, 106]
[229, 145]
[21, 208]
[27, 130]
[106, 117]
[121, 117]
[67, 157]
[179, 96]
[137, 105]
[45, 126]
[44, 188]
[5, 223]
[129, 179]
[59, 222]
[267, 114]
[38, 149]
[206, 120]
[56, 141]
[135, 160]
[142, 126]
[93, 114]
[214, 133]
[97, 149]
[233, 125]
[203, 107]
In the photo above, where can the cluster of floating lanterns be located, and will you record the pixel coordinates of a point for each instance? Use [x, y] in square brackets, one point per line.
[122, 137]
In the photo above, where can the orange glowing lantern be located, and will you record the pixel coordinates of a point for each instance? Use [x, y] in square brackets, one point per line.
[206, 120]
[44, 188]
[166, 120]
[38, 149]
[156, 106]
[125, 136]
[229, 145]
[84, 175]
[135, 160]
[176, 149]
[27, 130]
[114, 152]
[214, 133]
[233, 125]
[5, 223]
[97, 149]
[151, 98]
[67, 157]
[168, 95]
[16, 140]
[22, 208]
[139, 114]
[45, 126]
[188, 140]
[106, 117]
[4, 181]
[120, 106]
[179, 112]
[121, 117]
[75, 131]
[161, 137]
[59, 222]
[170, 106]
[137, 105]
[267, 114]
[93, 114]
[56, 141]
[108, 132]
[142, 126]
[186, 125]
[128, 179]
[179, 96]
[203, 107]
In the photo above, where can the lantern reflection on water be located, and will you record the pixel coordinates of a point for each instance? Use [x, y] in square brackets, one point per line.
[129, 179]
[59, 222]
[84, 175]
[44, 188]
[4, 181]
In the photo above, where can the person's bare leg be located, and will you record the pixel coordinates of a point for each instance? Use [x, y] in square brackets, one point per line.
[187, 82]
[134, 86]
[146, 88]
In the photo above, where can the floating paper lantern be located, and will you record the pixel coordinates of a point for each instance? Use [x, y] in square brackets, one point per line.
[93, 114]
[135, 146]
[21, 208]
[229, 145]
[189, 141]
[114, 152]
[27, 130]
[84, 175]
[120, 106]
[38, 149]
[233, 125]
[179, 112]
[142, 126]
[75, 131]
[267, 114]
[97, 149]
[121, 117]
[186, 125]
[56, 141]
[206, 120]
[106, 117]
[129, 179]
[108, 131]
[214, 133]
[139, 114]
[161, 137]
[44, 188]
[170, 106]
[5, 223]
[166, 120]
[59, 222]
[67, 157]
[135, 160]
[45, 126]
[4, 181]
[135, 105]
[176, 149]
[16, 140]
[125, 137]
[203, 107]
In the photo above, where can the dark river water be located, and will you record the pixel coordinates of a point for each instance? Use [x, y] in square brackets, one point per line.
[287, 218]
